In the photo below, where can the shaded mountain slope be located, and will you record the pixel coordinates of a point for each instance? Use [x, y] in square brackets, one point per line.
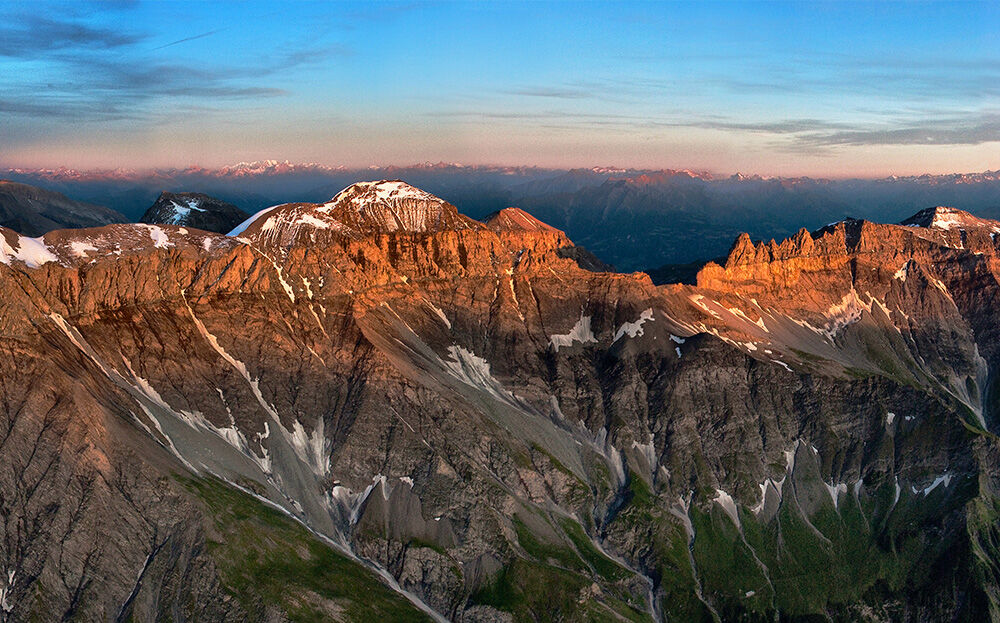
[34, 211]
[194, 210]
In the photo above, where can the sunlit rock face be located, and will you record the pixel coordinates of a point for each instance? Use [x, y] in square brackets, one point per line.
[476, 427]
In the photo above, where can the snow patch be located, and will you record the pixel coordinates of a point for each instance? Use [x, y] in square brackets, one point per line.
[633, 329]
[311, 449]
[474, 371]
[612, 456]
[944, 479]
[5, 603]
[32, 251]
[739, 313]
[845, 313]
[554, 402]
[242, 227]
[683, 512]
[80, 248]
[782, 364]
[181, 212]
[647, 451]
[697, 300]
[901, 274]
[159, 237]
[309, 219]
[440, 314]
[836, 490]
[580, 332]
[728, 505]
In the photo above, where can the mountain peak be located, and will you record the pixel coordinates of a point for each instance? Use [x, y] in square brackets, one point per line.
[393, 206]
[948, 218]
[193, 210]
[363, 208]
[516, 219]
[384, 190]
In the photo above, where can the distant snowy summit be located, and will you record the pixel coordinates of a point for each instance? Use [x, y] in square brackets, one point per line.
[194, 210]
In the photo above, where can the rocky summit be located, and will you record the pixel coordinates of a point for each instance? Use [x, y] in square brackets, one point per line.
[376, 408]
[193, 210]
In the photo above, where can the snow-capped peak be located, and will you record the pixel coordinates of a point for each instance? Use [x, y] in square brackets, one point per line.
[362, 193]
[392, 205]
[365, 207]
[947, 218]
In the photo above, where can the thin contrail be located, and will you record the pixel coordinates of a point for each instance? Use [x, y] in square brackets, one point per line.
[204, 34]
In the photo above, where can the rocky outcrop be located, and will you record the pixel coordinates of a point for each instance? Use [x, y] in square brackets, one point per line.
[518, 229]
[194, 210]
[380, 387]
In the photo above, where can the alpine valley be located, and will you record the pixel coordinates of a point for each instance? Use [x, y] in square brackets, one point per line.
[379, 409]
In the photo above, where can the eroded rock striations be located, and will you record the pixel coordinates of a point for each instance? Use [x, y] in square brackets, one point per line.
[377, 408]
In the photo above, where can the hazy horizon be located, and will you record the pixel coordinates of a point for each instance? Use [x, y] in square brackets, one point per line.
[717, 175]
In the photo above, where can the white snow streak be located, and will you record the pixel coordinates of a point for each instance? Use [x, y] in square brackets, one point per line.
[728, 505]
[633, 329]
[580, 332]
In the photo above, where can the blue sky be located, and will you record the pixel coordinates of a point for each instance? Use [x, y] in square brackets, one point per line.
[829, 89]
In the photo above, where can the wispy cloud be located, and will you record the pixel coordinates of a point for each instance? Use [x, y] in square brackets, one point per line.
[98, 74]
[295, 58]
[815, 136]
[973, 129]
[787, 126]
[553, 92]
[807, 135]
[30, 36]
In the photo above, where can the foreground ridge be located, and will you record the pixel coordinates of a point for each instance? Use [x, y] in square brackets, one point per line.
[382, 394]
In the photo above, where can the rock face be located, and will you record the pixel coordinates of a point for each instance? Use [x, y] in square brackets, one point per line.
[34, 211]
[378, 409]
[517, 227]
[194, 210]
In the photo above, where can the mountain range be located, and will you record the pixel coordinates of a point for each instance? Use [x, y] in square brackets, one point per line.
[632, 219]
[34, 211]
[376, 407]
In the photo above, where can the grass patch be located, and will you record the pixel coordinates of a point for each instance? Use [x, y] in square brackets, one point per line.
[546, 552]
[267, 560]
[601, 564]
[534, 592]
